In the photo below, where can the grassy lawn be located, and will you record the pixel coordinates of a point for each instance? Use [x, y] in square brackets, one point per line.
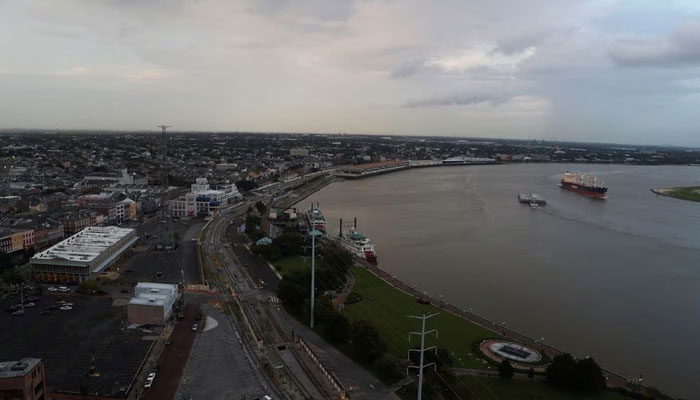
[472, 387]
[387, 309]
[691, 193]
[290, 265]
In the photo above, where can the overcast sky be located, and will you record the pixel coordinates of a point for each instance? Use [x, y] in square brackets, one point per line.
[611, 71]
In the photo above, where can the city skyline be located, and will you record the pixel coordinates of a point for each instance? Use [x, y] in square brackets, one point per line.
[597, 71]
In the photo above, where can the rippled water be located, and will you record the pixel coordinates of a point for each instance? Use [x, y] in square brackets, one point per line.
[616, 279]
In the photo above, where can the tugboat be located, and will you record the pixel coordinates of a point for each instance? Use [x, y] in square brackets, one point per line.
[586, 185]
[356, 243]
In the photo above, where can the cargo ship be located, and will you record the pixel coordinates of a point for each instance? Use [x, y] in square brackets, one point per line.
[356, 243]
[315, 219]
[587, 185]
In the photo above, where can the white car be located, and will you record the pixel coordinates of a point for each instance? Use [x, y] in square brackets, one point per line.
[68, 304]
[151, 376]
[195, 327]
[52, 289]
[148, 384]
[66, 308]
[63, 289]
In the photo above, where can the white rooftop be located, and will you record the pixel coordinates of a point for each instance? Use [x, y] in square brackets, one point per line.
[156, 285]
[149, 299]
[85, 245]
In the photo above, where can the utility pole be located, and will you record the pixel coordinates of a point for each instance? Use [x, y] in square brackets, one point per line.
[164, 214]
[422, 350]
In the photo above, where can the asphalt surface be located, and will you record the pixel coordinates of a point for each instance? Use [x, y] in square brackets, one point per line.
[217, 367]
[173, 358]
[145, 262]
[67, 344]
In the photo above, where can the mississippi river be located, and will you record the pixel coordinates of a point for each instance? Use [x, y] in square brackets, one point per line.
[615, 279]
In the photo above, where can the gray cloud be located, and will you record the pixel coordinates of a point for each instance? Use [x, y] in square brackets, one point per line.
[681, 48]
[493, 99]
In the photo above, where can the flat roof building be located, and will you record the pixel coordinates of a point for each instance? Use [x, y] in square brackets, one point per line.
[82, 255]
[23, 379]
[152, 303]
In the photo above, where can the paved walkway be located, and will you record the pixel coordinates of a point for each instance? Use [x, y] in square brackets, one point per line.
[217, 367]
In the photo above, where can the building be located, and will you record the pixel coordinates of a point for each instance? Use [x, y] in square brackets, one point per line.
[299, 152]
[363, 170]
[46, 231]
[75, 222]
[278, 220]
[83, 255]
[23, 379]
[13, 240]
[203, 199]
[152, 303]
[123, 178]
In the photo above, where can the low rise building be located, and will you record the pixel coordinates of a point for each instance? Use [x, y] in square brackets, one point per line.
[23, 379]
[13, 240]
[152, 303]
[83, 255]
[203, 199]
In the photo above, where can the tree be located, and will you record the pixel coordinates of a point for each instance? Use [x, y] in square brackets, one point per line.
[584, 375]
[390, 369]
[337, 327]
[260, 207]
[12, 277]
[290, 244]
[5, 261]
[251, 222]
[505, 369]
[366, 342]
[268, 252]
[89, 286]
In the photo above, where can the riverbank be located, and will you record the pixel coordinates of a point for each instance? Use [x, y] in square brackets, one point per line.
[690, 193]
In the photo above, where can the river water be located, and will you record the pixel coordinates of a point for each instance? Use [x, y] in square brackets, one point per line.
[615, 279]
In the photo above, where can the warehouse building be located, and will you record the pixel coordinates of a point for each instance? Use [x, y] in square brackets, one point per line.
[83, 255]
[23, 379]
[152, 303]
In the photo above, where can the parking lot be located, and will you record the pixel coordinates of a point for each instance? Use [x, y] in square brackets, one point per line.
[70, 342]
[145, 263]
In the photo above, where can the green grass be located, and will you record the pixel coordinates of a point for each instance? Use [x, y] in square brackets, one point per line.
[387, 308]
[289, 265]
[691, 193]
[482, 388]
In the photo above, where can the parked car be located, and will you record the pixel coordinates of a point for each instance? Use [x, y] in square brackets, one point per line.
[63, 289]
[66, 308]
[18, 312]
[52, 289]
[30, 304]
[148, 384]
[195, 327]
[125, 291]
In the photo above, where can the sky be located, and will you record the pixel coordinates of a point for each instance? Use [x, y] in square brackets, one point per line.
[604, 70]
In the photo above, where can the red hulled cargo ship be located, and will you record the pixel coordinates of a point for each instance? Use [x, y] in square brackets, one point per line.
[587, 185]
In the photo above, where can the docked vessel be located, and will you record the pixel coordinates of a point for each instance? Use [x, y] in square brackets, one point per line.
[356, 243]
[587, 185]
[315, 219]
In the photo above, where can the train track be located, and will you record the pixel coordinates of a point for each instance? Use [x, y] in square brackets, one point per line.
[257, 325]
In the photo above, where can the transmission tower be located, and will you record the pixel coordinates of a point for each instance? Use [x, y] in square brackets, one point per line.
[422, 350]
[165, 232]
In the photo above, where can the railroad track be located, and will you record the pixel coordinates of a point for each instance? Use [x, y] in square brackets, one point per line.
[257, 323]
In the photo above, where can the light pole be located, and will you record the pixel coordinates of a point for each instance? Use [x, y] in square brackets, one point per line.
[314, 233]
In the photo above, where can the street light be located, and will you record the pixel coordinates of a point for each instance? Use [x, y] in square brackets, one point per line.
[313, 234]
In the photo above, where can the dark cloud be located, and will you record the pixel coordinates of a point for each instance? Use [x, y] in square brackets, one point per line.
[681, 48]
[493, 99]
